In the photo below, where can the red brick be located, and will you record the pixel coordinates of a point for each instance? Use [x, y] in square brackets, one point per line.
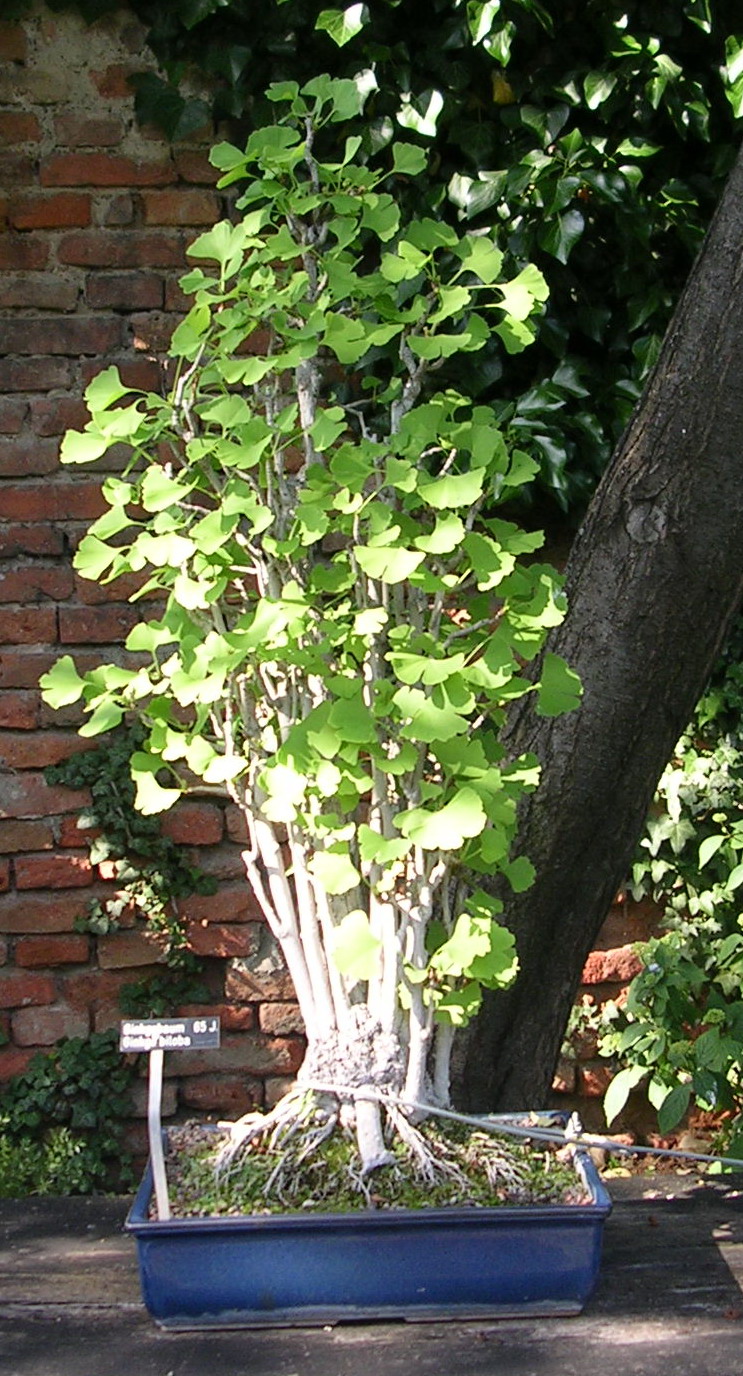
[233, 903]
[82, 131]
[280, 1018]
[21, 991]
[249, 983]
[594, 1079]
[70, 832]
[111, 249]
[4, 876]
[18, 253]
[194, 824]
[31, 457]
[153, 330]
[237, 827]
[16, 169]
[96, 990]
[274, 1088]
[142, 373]
[140, 1097]
[118, 210]
[126, 291]
[41, 912]
[195, 167]
[45, 1026]
[42, 952]
[19, 711]
[13, 414]
[18, 128]
[23, 750]
[123, 950]
[565, 1078]
[219, 939]
[3, 961]
[20, 539]
[233, 1017]
[37, 375]
[611, 967]
[53, 872]
[72, 335]
[96, 625]
[102, 169]
[40, 290]
[23, 667]
[55, 415]
[62, 501]
[175, 298]
[113, 81]
[121, 590]
[13, 1061]
[34, 582]
[247, 1052]
[180, 207]
[25, 836]
[228, 1095]
[28, 626]
[29, 796]
[38, 211]
[13, 42]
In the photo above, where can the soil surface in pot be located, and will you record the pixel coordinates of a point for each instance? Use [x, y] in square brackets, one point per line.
[459, 1168]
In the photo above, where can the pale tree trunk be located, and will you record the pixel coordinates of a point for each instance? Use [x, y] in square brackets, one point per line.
[654, 580]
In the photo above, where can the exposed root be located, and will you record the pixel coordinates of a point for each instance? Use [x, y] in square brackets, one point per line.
[301, 1113]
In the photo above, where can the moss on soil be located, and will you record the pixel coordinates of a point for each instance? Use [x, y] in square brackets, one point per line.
[472, 1169]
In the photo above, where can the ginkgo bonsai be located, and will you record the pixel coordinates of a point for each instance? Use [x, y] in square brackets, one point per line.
[343, 617]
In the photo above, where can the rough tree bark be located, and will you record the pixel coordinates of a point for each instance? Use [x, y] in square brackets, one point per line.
[653, 581]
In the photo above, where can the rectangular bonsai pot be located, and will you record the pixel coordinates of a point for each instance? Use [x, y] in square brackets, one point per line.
[270, 1270]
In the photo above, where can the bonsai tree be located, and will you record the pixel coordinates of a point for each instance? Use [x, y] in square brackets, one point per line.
[343, 615]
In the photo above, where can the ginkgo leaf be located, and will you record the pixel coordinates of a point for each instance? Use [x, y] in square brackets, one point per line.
[449, 826]
[355, 949]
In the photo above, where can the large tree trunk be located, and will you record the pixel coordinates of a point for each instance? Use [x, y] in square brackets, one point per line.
[653, 581]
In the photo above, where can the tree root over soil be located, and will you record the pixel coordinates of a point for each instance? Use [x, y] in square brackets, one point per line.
[303, 1156]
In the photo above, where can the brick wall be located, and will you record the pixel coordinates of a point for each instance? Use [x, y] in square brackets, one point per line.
[95, 214]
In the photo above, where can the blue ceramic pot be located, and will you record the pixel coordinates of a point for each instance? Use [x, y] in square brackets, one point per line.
[266, 1270]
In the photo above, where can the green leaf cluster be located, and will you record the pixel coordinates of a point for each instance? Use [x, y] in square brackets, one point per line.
[681, 1031]
[342, 616]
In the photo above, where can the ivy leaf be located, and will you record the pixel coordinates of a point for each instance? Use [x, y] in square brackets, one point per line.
[561, 233]
[343, 25]
[355, 949]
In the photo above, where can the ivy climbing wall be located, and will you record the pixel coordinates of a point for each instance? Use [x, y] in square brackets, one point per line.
[95, 216]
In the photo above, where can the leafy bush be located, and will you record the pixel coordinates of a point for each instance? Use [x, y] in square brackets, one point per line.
[681, 1029]
[61, 1121]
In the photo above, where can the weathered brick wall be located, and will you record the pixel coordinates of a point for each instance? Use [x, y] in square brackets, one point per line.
[95, 215]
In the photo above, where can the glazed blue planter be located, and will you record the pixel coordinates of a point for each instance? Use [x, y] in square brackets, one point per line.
[266, 1270]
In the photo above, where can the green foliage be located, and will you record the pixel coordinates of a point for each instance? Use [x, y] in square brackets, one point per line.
[61, 1121]
[345, 617]
[158, 996]
[681, 1030]
[595, 139]
[151, 872]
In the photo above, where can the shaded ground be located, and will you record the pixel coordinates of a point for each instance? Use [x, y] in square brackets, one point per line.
[670, 1297]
